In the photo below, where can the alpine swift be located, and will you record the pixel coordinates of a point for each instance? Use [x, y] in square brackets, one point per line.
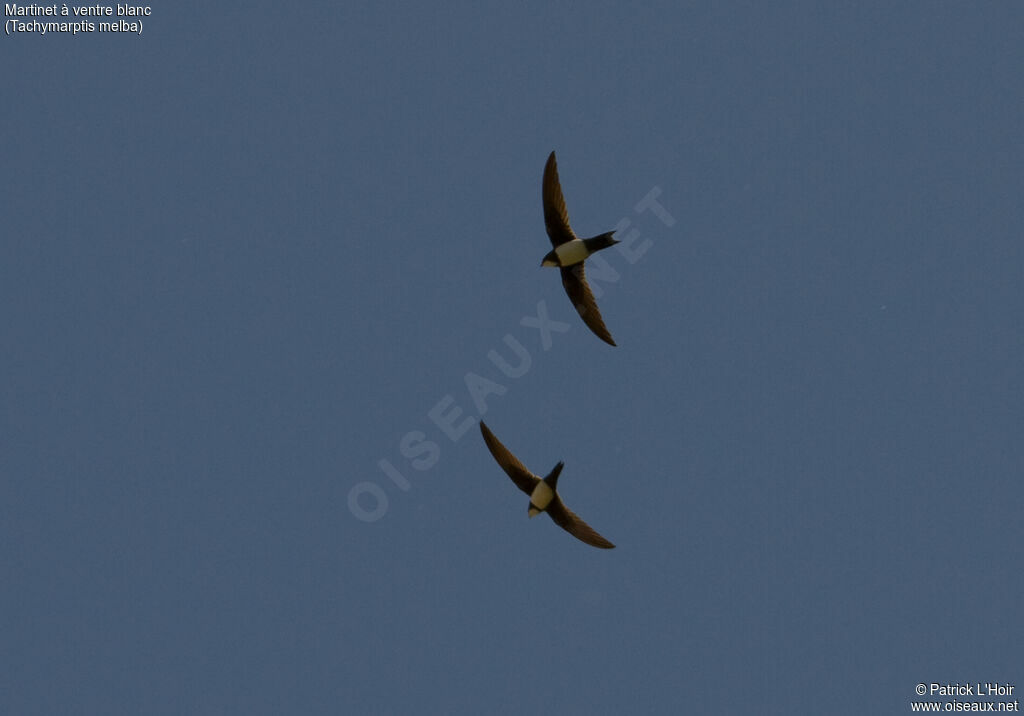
[569, 252]
[543, 494]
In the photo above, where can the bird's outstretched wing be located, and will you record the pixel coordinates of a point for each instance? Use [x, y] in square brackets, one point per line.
[524, 479]
[574, 279]
[571, 523]
[556, 217]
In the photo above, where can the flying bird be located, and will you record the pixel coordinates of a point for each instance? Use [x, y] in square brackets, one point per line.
[570, 252]
[543, 494]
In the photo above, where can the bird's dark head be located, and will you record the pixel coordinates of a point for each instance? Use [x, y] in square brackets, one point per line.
[550, 259]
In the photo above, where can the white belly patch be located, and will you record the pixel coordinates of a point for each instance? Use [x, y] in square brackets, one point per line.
[571, 252]
[541, 495]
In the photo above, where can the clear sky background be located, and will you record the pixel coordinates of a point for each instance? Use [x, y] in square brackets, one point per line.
[247, 253]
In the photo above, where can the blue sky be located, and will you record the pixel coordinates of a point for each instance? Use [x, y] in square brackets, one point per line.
[251, 251]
